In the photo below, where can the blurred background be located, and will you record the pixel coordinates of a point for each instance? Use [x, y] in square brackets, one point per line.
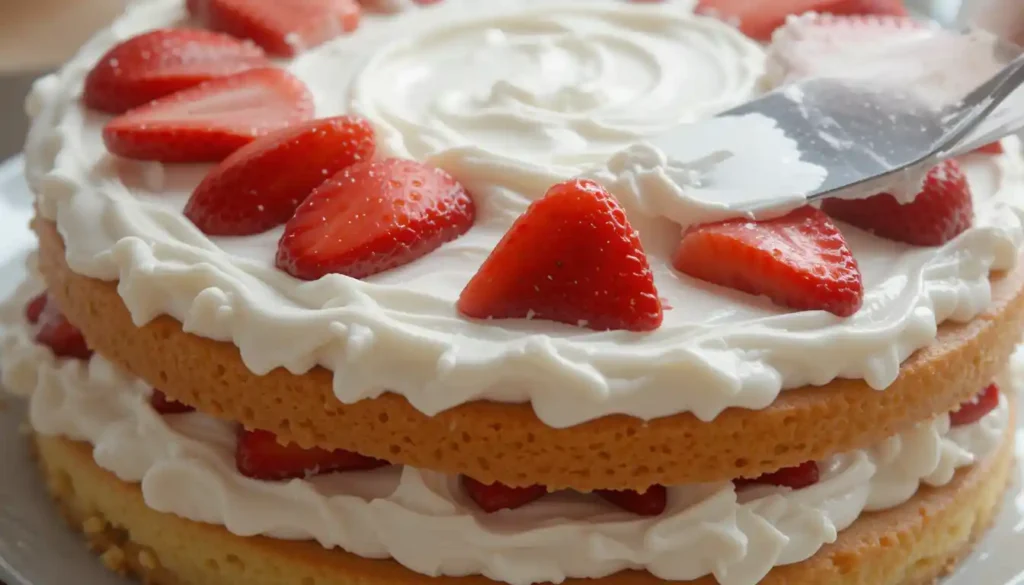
[37, 35]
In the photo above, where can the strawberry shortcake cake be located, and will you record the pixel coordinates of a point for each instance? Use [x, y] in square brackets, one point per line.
[390, 293]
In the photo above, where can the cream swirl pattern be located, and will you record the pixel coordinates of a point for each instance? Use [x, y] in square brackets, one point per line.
[423, 520]
[508, 114]
[555, 86]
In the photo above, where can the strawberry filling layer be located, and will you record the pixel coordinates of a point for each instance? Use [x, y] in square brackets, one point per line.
[364, 506]
[259, 454]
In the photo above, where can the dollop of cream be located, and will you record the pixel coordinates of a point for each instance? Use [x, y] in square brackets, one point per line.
[423, 520]
[710, 175]
[509, 96]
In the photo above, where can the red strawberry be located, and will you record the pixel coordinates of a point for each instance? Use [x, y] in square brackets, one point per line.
[940, 212]
[391, 6]
[208, 122]
[801, 476]
[649, 503]
[34, 308]
[799, 260]
[372, 217]
[164, 405]
[261, 184]
[991, 148]
[282, 27]
[573, 258]
[758, 18]
[56, 332]
[162, 62]
[260, 456]
[496, 496]
[973, 410]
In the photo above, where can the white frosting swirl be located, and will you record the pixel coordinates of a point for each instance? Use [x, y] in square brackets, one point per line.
[424, 521]
[552, 85]
[508, 113]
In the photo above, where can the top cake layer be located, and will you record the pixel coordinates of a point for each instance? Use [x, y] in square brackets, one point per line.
[509, 98]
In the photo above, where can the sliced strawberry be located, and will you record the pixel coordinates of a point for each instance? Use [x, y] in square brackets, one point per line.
[496, 496]
[940, 212]
[649, 503]
[283, 27]
[372, 217]
[208, 122]
[392, 6]
[56, 332]
[260, 456]
[164, 405]
[159, 63]
[991, 148]
[801, 476]
[261, 184]
[573, 258]
[758, 19]
[799, 260]
[34, 308]
[974, 409]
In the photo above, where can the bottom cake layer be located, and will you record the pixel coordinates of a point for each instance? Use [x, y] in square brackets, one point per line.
[909, 545]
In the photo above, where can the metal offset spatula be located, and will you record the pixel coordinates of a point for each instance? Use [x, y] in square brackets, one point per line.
[865, 133]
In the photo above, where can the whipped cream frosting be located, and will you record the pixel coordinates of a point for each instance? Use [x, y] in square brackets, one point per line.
[423, 520]
[509, 96]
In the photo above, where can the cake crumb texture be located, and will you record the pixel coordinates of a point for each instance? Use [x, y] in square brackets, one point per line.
[507, 442]
[912, 544]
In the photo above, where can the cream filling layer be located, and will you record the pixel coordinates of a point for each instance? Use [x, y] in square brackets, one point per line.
[423, 520]
[510, 96]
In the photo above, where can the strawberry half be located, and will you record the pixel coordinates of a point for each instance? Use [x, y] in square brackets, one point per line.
[159, 63]
[496, 496]
[758, 19]
[991, 148]
[392, 6]
[56, 332]
[208, 122]
[284, 28]
[940, 212]
[164, 405]
[975, 409]
[259, 456]
[372, 217]
[261, 184]
[572, 258]
[34, 308]
[799, 260]
[648, 503]
[801, 476]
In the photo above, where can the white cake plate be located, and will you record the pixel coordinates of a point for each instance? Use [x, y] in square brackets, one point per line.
[36, 547]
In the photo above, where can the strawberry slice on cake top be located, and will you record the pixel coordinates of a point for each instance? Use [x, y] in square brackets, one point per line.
[758, 19]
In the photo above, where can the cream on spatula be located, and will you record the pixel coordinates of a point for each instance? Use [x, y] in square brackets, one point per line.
[837, 127]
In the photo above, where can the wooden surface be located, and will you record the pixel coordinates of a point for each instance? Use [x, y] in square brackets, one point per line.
[40, 34]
